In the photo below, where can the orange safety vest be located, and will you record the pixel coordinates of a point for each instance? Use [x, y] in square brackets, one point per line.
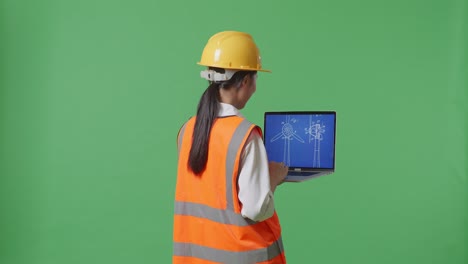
[208, 225]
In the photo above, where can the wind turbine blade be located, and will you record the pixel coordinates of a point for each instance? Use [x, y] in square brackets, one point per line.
[298, 138]
[276, 137]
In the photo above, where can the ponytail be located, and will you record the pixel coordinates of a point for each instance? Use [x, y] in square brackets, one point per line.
[207, 112]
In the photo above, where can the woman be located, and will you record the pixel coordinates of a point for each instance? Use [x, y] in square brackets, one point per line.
[224, 209]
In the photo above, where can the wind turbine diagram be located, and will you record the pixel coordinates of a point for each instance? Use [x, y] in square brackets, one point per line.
[287, 134]
[315, 131]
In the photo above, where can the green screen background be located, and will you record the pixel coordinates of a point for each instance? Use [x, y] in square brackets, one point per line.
[93, 92]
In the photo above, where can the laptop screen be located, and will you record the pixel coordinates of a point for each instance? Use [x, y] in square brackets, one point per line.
[301, 139]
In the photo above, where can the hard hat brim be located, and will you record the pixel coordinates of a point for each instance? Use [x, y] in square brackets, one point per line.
[235, 68]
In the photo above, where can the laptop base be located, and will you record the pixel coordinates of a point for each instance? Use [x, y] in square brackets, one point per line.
[300, 176]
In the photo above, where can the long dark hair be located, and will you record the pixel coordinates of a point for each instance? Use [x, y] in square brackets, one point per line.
[207, 112]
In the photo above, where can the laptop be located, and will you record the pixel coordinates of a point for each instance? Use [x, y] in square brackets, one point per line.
[303, 140]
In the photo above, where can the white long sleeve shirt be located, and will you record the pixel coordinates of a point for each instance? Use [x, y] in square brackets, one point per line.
[254, 178]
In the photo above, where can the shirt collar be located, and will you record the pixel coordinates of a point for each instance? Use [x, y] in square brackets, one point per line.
[228, 110]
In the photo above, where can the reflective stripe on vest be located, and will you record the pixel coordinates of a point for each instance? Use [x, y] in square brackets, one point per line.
[226, 216]
[181, 136]
[223, 256]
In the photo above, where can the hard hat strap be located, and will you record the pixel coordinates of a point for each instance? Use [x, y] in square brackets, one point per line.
[212, 75]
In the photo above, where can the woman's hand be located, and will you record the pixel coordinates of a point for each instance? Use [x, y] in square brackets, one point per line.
[278, 172]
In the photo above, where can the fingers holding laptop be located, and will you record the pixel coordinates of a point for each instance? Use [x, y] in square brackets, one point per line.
[278, 171]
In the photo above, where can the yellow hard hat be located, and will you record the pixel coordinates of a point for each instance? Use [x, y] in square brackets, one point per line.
[232, 50]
